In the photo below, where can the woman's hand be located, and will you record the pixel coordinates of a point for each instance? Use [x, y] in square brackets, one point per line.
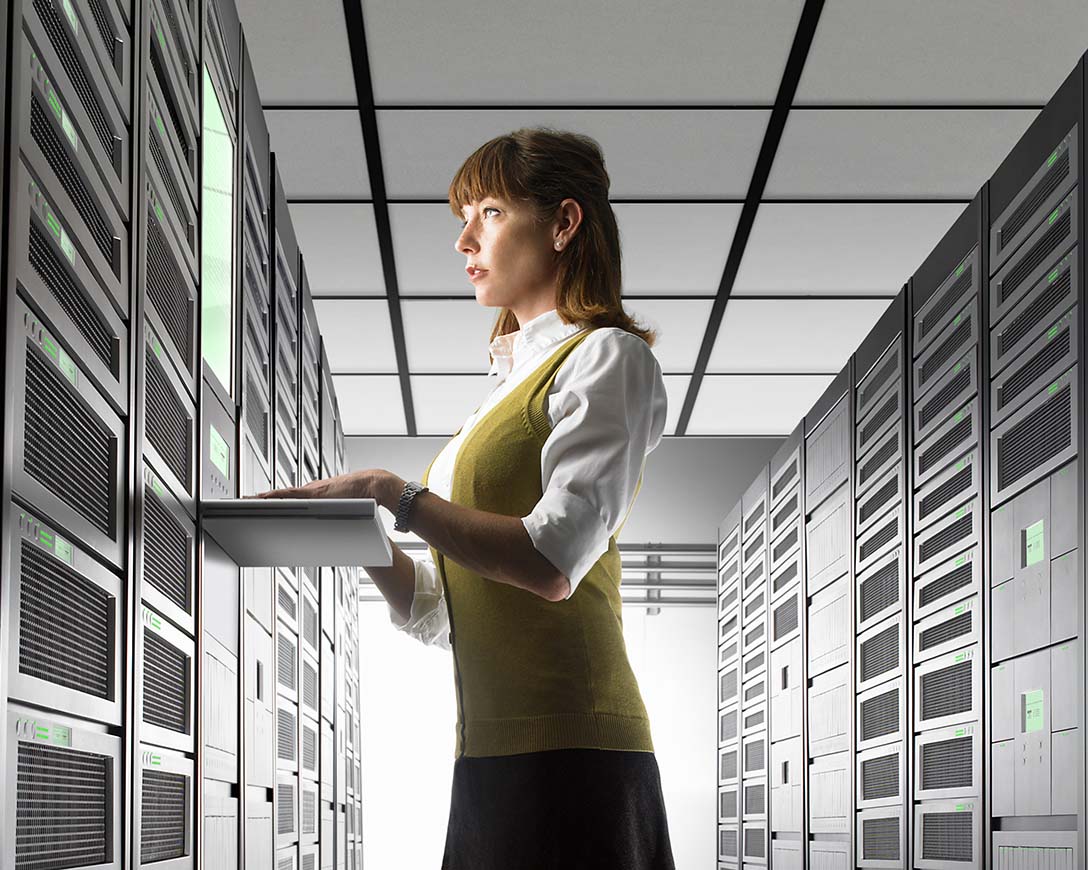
[376, 483]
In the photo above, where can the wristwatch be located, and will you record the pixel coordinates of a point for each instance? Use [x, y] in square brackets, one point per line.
[407, 496]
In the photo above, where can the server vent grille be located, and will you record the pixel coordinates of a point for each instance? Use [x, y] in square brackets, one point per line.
[949, 441]
[309, 861]
[754, 606]
[947, 536]
[784, 513]
[943, 398]
[74, 67]
[64, 801]
[883, 535]
[66, 449]
[164, 816]
[286, 658]
[754, 720]
[286, 734]
[729, 764]
[285, 810]
[882, 454]
[946, 631]
[785, 576]
[947, 691]
[72, 299]
[288, 604]
[947, 764]
[309, 686]
[1050, 354]
[754, 756]
[1037, 438]
[1034, 312]
[880, 653]
[309, 812]
[755, 799]
[880, 715]
[944, 351]
[945, 585]
[753, 663]
[948, 299]
[788, 477]
[755, 517]
[168, 293]
[785, 617]
[784, 546]
[1045, 246]
[65, 626]
[947, 836]
[880, 839]
[1034, 200]
[309, 623]
[309, 747]
[755, 843]
[157, 155]
[727, 842]
[168, 423]
[880, 590]
[879, 499]
[166, 552]
[727, 804]
[166, 684]
[105, 30]
[171, 110]
[727, 726]
[753, 549]
[957, 483]
[755, 634]
[880, 777]
[881, 416]
[730, 571]
[878, 380]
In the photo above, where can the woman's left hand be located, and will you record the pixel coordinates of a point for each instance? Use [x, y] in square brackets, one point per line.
[376, 483]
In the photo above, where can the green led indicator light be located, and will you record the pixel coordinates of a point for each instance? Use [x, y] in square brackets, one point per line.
[160, 124]
[156, 760]
[162, 39]
[159, 214]
[961, 512]
[41, 733]
[959, 610]
[1052, 389]
[962, 464]
[157, 487]
[960, 657]
[45, 539]
[156, 623]
[1050, 160]
[155, 346]
[960, 732]
[1050, 278]
[70, 12]
[54, 102]
[956, 368]
[1053, 215]
[956, 319]
[962, 266]
[1050, 333]
[53, 224]
[49, 346]
[960, 561]
[958, 417]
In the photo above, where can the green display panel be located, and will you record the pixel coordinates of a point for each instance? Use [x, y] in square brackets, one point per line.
[217, 241]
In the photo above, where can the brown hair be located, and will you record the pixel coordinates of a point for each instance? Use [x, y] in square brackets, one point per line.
[542, 167]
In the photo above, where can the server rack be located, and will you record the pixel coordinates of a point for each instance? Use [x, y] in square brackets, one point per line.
[728, 681]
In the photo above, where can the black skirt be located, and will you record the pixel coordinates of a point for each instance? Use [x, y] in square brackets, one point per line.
[566, 809]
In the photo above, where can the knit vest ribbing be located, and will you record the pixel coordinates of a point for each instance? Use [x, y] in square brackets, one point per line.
[533, 675]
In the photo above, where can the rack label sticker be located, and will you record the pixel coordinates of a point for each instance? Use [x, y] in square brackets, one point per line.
[1034, 543]
[220, 452]
[1032, 718]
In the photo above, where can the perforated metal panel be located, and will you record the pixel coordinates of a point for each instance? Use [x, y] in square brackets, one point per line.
[947, 834]
[946, 689]
[948, 762]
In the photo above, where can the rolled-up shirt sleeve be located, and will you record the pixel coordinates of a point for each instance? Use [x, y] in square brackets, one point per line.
[607, 408]
[428, 621]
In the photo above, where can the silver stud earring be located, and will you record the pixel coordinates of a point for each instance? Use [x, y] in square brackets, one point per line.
[558, 246]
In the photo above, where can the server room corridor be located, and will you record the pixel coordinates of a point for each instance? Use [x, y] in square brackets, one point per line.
[782, 298]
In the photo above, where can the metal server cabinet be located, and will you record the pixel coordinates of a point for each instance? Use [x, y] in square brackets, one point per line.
[880, 569]
[728, 688]
[753, 674]
[949, 456]
[1036, 486]
[829, 524]
[285, 341]
[786, 640]
[67, 240]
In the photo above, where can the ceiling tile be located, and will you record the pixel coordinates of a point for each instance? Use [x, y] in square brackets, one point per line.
[678, 153]
[884, 153]
[754, 404]
[488, 51]
[340, 246]
[676, 388]
[840, 248]
[370, 404]
[666, 248]
[792, 335]
[320, 152]
[933, 51]
[357, 334]
[447, 335]
[443, 402]
[300, 51]
[679, 323]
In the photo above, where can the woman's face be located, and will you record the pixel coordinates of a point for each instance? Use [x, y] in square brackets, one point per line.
[519, 255]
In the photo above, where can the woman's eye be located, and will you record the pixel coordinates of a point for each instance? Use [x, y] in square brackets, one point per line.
[486, 209]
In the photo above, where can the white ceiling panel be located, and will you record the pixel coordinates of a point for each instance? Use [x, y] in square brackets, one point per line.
[932, 51]
[340, 246]
[358, 337]
[677, 154]
[754, 404]
[792, 335]
[444, 402]
[679, 323]
[447, 335]
[488, 51]
[370, 404]
[676, 387]
[666, 248]
[319, 152]
[883, 153]
[300, 51]
[807, 249]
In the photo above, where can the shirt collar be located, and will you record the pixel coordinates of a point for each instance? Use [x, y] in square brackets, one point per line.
[510, 350]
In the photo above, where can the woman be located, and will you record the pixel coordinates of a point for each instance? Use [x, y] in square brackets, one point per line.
[555, 765]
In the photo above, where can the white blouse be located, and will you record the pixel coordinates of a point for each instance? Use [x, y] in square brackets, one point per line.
[607, 408]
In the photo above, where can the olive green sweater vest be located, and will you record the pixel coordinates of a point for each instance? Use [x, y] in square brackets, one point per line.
[533, 675]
